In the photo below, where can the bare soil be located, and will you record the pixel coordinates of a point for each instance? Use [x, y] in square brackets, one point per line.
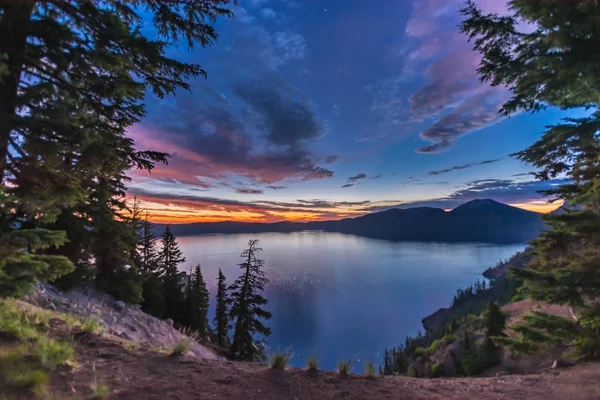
[144, 374]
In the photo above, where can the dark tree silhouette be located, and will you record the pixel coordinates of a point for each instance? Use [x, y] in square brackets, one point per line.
[247, 304]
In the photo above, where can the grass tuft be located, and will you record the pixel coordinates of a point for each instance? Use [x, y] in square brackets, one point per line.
[191, 333]
[92, 326]
[279, 360]
[370, 369]
[16, 323]
[51, 353]
[181, 347]
[27, 366]
[100, 390]
[312, 363]
[344, 367]
[131, 346]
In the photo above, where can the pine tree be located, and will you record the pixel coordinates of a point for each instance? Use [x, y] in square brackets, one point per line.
[221, 315]
[247, 305]
[147, 247]
[20, 263]
[196, 302]
[170, 258]
[153, 295]
[555, 65]
[494, 320]
[74, 76]
[387, 362]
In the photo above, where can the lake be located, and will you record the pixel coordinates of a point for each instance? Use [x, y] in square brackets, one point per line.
[344, 296]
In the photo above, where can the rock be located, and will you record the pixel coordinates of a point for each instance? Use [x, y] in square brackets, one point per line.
[169, 321]
[558, 363]
[119, 305]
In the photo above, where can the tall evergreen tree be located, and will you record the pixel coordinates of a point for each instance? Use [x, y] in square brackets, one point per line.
[247, 304]
[196, 301]
[147, 247]
[74, 78]
[170, 256]
[556, 64]
[169, 259]
[221, 315]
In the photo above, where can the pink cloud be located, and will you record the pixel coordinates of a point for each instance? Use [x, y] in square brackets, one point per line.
[453, 95]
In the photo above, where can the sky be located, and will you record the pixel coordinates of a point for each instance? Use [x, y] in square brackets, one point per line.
[316, 110]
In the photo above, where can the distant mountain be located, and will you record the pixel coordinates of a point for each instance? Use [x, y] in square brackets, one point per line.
[476, 221]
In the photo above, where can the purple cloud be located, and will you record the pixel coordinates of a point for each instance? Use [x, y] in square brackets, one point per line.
[453, 97]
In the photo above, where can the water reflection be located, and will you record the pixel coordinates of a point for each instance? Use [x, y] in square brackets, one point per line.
[344, 296]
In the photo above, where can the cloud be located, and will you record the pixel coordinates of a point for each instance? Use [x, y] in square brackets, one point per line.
[275, 187]
[450, 78]
[453, 98]
[177, 205]
[530, 174]
[263, 132]
[268, 13]
[290, 45]
[377, 176]
[473, 114]
[463, 166]
[502, 190]
[257, 3]
[287, 117]
[357, 177]
[248, 191]
[354, 180]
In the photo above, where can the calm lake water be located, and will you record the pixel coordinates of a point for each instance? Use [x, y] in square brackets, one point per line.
[344, 296]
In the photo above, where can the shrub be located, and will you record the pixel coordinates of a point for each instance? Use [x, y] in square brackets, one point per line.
[279, 360]
[447, 339]
[312, 363]
[420, 351]
[471, 317]
[512, 369]
[436, 370]
[344, 367]
[434, 346]
[478, 360]
[370, 369]
[181, 347]
[411, 372]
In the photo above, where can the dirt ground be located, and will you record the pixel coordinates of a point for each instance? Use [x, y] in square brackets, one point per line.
[144, 374]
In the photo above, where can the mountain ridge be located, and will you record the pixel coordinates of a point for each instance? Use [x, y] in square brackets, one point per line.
[481, 220]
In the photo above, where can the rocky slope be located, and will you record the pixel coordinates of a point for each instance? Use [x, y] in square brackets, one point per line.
[129, 323]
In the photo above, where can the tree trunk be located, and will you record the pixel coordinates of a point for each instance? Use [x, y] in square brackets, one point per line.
[14, 29]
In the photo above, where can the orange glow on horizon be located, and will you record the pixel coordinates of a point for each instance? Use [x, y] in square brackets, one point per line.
[184, 213]
[541, 207]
